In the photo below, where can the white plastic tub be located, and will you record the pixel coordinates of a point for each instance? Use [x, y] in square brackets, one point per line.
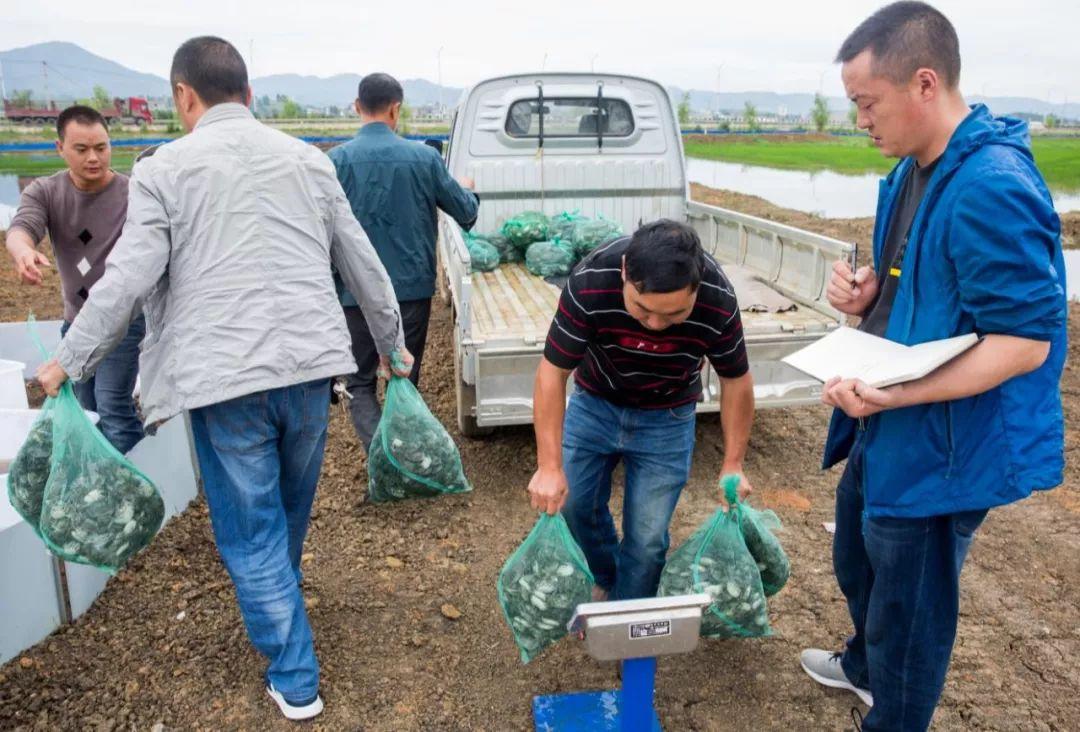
[12, 386]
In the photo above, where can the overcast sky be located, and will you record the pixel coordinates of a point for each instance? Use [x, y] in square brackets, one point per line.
[1015, 49]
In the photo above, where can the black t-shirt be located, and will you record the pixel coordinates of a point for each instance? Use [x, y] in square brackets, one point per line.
[617, 358]
[876, 318]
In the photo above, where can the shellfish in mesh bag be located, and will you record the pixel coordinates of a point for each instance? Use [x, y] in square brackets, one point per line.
[526, 228]
[553, 258]
[507, 252]
[716, 561]
[30, 469]
[757, 529]
[562, 225]
[96, 508]
[483, 256]
[412, 455]
[589, 234]
[541, 585]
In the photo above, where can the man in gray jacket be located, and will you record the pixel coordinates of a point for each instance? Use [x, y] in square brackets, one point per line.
[230, 236]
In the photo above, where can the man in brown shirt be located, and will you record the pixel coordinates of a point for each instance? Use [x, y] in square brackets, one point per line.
[82, 209]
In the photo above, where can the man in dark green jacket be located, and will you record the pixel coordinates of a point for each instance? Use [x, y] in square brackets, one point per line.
[395, 188]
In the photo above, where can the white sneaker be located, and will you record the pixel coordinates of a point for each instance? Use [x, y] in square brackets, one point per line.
[824, 667]
[297, 713]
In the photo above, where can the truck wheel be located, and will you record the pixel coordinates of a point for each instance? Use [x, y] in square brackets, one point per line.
[466, 400]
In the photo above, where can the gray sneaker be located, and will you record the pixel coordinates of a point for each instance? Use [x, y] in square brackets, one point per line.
[824, 667]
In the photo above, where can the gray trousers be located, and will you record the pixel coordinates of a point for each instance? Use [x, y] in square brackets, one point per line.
[364, 407]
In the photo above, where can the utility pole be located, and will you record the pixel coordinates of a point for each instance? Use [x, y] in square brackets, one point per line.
[543, 66]
[3, 90]
[45, 75]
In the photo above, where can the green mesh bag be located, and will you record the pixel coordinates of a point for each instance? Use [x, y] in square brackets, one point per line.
[87, 502]
[412, 455]
[541, 585]
[563, 224]
[716, 561]
[526, 228]
[588, 235]
[757, 529]
[30, 470]
[553, 258]
[482, 254]
[508, 253]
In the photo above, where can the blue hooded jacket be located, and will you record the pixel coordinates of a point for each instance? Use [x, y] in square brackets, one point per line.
[984, 256]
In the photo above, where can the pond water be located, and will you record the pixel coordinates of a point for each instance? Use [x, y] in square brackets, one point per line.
[824, 193]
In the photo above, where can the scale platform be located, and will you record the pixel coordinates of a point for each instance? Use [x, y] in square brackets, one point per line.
[635, 632]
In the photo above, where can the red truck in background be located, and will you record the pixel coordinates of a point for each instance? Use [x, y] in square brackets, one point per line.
[132, 110]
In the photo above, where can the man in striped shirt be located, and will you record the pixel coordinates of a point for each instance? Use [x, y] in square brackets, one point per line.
[635, 322]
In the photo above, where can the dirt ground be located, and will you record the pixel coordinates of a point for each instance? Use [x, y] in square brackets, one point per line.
[376, 577]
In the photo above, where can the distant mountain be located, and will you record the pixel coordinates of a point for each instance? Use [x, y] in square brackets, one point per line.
[340, 90]
[71, 72]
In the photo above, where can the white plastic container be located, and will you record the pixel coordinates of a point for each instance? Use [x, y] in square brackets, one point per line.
[12, 386]
[29, 603]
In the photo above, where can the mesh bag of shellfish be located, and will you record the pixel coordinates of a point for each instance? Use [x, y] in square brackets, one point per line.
[88, 503]
[483, 255]
[412, 455]
[30, 469]
[590, 234]
[716, 561]
[562, 225]
[553, 258]
[757, 529]
[541, 585]
[525, 228]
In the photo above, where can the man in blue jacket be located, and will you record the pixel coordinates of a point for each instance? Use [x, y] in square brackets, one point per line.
[965, 241]
[395, 188]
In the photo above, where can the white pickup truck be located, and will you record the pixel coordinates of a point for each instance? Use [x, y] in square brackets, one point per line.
[610, 145]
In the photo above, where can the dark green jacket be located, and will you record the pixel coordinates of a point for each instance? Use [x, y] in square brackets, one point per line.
[394, 187]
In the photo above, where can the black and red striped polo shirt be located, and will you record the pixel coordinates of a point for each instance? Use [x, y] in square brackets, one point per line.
[617, 358]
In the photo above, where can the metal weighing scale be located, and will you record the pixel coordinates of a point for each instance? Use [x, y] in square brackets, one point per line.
[634, 632]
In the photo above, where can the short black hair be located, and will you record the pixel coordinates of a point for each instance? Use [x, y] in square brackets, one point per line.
[905, 37]
[378, 91]
[665, 256]
[213, 68]
[79, 113]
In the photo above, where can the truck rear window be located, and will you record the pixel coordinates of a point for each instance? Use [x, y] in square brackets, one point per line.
[566, 117]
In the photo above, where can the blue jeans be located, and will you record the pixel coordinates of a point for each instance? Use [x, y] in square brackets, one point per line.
[260, 457]
[655, 446]
[901, 578]
[108, 391]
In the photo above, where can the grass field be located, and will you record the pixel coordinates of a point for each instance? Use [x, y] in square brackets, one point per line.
[1057, 158]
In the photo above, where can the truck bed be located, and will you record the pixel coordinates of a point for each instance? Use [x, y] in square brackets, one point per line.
[509, 304]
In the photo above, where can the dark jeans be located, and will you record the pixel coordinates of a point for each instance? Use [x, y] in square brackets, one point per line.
[364, 406]
[260, 457]
[901, 578]
[108, 391]
[655, 446]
